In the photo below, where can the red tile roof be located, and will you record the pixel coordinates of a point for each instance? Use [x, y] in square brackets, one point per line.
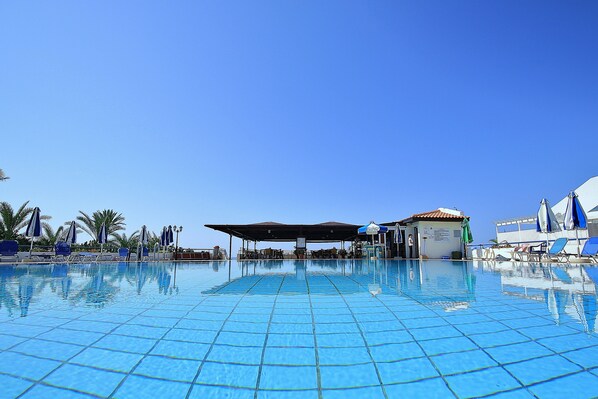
[436, 214]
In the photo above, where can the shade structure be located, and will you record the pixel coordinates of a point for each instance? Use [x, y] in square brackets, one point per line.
[34, 227]
[143, 235]
[372, 229]
[466, 235]
[71, 234]
[546, 221]
[164, 237]
[398, 235]
[170, 235]
[575, 217]
[102, 237]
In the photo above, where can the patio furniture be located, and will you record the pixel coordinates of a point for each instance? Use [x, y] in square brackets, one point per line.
[9, 250]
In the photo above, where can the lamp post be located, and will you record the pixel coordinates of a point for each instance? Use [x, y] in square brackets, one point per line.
[177, 230]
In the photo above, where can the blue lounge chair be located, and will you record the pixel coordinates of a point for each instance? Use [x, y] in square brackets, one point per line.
[62, 251]
[590, 249]
[123, 253]
[556, 251]
[9, 250]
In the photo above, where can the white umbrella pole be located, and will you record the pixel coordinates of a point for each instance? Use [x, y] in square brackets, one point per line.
[577, 237]
[31, 247]
[101, 249]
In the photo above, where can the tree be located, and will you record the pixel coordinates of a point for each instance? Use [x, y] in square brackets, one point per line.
[3, 176]
[12, 222]
[124, 241]
[49, 236]
[91, 224]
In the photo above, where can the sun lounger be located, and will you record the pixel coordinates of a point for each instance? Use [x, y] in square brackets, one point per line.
[537, 250]
[521, 253]
[557, 250]
[590, 249]
[62, 251]
[123, 253]
[8, 251]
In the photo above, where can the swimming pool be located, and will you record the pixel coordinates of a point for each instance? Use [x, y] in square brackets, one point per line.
[298, 329]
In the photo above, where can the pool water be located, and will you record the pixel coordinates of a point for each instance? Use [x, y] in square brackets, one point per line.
[298, 329]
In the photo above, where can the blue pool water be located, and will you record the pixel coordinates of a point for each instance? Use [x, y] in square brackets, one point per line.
[304, 329]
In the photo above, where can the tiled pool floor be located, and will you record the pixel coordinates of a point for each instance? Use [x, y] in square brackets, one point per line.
[294, 330]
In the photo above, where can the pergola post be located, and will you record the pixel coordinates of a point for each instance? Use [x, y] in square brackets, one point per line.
[230, 246]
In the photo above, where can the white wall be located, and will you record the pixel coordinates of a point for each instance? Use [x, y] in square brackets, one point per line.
[435, 247]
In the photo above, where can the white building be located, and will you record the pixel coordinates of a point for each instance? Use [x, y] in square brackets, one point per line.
[436, 234]
[523, 229]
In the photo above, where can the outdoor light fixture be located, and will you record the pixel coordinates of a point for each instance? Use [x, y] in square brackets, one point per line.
[177, 230]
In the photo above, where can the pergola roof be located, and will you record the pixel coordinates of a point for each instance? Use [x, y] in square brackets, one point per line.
[272, 231]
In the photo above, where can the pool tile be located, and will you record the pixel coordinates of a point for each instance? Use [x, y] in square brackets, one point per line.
[453, 363]
[290, 356]
[340, 340]
[93, 326]
[288, 377]
[135, 387]
[85, 379]
[48, 349]
[126, 343]
[586, 357]
[482, 328]
[181, 350]
[427, 389]
[241, 339]
[168, 368]
[71, 337]
[499, 338]
[354, 393]
[135, 330]
[406, 371]
[26, 366]
[447, 345]
[303, 394]
[234, 375]
[518, 352]
[235, 354]
[290, 328]
[482, 383]
[343, 356]
[568, 342]
[12, 387]
[200, 336]
[213, 392]
[291, 340]
[44, 391]
[6, 341]
[576, 386]
[435, 332]
[537, 370]
[236, 326]
[361, 375]
[107, 359]
[395, 352]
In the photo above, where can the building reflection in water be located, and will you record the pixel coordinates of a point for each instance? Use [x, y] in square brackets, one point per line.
[568, 291]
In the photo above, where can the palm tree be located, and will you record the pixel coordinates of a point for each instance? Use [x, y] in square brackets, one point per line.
[3, 176]
[91, 224]
[124, 241]
[49, 236]
[11, 222]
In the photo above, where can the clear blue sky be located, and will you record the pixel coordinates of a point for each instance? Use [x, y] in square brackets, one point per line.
[195, 112]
